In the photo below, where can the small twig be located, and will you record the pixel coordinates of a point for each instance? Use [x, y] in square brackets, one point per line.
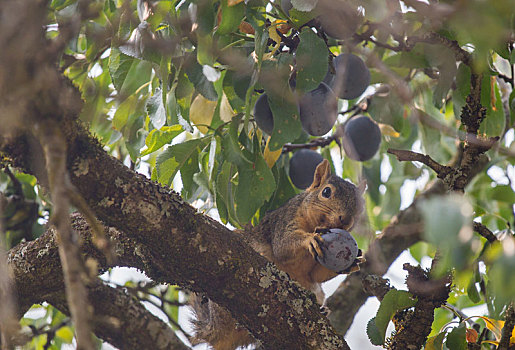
[74, 271]
[509, 323]
[315, 143]
[484, 231]
[404, 155]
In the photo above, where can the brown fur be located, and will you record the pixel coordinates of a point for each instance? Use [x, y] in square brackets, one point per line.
[287, 236]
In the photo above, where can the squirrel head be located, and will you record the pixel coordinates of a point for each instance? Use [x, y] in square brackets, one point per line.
[330, 201]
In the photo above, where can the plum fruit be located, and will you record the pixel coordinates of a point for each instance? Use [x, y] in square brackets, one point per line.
[352, 76]
[302, 167]
[263, 114]
[361, 138]
[318, 110]
[340, 250]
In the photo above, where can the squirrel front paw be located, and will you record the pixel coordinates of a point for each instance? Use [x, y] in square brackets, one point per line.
[360, 259]
[314, 243]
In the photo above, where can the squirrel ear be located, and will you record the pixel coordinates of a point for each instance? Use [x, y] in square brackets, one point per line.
[322, 172]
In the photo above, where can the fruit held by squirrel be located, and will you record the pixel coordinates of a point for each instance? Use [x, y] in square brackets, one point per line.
[289, 237]
[340, 250]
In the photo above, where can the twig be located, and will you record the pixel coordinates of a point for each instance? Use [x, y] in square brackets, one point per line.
[75, 276]
[404, 155]
[484, 231]
[509, 323]
[315, 143]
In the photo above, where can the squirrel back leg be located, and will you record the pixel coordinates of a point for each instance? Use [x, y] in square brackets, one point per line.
[215, 325]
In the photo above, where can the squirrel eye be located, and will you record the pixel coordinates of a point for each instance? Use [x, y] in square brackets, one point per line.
[326, 192]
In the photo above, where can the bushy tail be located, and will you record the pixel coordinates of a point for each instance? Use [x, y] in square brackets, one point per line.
[215, 325]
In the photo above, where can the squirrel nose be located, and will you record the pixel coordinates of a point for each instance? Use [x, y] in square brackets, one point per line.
[346, 222]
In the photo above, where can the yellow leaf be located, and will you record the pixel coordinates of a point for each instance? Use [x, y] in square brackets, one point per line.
[226, 111]
[66, 334]
[272, 33]
[388, 130]
[496, 343]
[271, 156]
[233, 2]
[201, 113]
[494, 325]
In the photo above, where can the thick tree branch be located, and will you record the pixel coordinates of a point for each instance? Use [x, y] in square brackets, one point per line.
[119, 318]
[190, 249]
[194, 251]
[123, 321]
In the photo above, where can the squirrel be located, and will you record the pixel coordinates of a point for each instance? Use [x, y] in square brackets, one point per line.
[290, 237]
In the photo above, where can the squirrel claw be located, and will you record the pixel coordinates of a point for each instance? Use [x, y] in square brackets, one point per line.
[355, 264]
[322, 231]
[314, 246]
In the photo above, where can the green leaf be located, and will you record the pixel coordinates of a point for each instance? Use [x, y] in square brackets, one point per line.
[459, 97]
[373, 333]
[158, 138]
[231, 17]
[282, 101]
[436, 342]
[442, 58]
[175, 157]
[205, 49]
[444, 218]
[188, 170]
[493, 125]
[395, 300]
[299, 18]
[224, 192]
[472, 291]
[456, 338]
[503, 193]
[199, 80]
[231, 147]
[205, 16]
[156, 109]
[311, 57]
[128, 74]
[256, 185]
[124, 111]
[136, 135]
[255, 14]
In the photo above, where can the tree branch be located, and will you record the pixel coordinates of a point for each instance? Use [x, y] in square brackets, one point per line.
[414, 326]
[484, 231]
[207, 257]
[509, 323]
[404, 155]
